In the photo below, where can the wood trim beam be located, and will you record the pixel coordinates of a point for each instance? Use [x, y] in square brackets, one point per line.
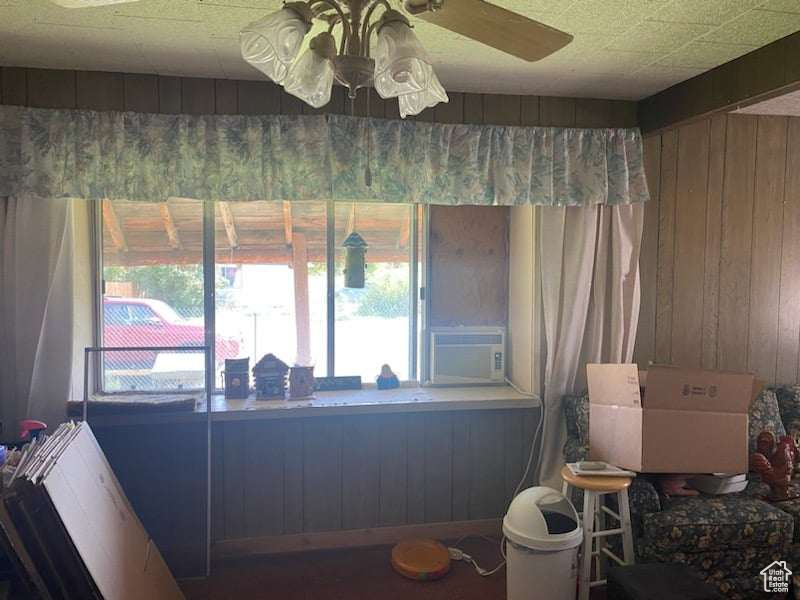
[764, 73]
[114, 229]
[287, 222]
[169, 226]
[351, 220]
[352, 538]
[301, 304]
[193, 256]
[230, 224]
[405, 231]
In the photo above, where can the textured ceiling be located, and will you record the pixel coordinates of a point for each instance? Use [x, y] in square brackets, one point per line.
[622, 48]
[787, 105]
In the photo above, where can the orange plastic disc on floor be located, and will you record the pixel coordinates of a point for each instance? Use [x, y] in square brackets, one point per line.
[423, 560]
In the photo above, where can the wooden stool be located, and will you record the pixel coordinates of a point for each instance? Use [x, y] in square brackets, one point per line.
[594, 524]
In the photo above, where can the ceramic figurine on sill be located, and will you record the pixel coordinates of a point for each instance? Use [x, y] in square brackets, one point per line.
[387, 380]
[774, 461]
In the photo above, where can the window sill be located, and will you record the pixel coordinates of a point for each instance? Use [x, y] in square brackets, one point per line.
[340, 403]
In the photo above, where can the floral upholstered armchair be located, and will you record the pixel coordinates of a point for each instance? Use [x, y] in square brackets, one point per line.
[728, 539]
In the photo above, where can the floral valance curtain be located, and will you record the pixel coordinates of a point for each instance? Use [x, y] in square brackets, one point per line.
[149, 157]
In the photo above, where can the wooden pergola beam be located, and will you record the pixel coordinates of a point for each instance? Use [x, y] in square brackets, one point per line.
[287, 222]
[114, 229]
[169, 226]
[282, 256]
[230, 224]
[302, 314]
[405, 232]
[351, 220]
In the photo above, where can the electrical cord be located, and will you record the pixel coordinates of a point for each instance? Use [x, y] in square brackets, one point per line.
[538, 436]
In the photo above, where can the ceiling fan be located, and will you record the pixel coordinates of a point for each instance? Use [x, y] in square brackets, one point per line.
[398, 65]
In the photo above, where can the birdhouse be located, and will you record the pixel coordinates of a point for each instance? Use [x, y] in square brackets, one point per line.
[301, 382]
[270, 375]
[237, 378]
[355, 260]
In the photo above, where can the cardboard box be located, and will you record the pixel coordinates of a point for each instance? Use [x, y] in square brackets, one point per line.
[689, 421]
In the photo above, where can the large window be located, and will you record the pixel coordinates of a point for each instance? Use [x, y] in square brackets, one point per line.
[279, 288]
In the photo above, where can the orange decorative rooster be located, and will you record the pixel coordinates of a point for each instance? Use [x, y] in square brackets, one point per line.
[774, 461]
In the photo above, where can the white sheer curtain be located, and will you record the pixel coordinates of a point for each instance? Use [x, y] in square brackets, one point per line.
[589, 261]
[38, 319]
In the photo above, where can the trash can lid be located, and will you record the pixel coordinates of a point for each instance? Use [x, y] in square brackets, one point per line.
[541, 518]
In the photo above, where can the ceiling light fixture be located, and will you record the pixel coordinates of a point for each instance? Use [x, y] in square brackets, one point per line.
[401, 68]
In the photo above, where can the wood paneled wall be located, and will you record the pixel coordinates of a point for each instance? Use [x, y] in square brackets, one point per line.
[277, 477]
[48, 88]
[363, 471]
[721, 247]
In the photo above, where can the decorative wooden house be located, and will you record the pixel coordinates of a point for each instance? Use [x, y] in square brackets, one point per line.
[301, 382]
[270, 377]
[237, 378]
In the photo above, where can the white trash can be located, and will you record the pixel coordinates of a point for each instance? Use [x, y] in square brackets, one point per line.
[543, 536]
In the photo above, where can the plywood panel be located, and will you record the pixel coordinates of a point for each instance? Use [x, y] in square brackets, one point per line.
[258, 98]
[591, 112]
[469, 266]
[473, 109]
[530, 111]
[141, 93]
[98, 90]
[14, 85]
[502, 109]
[50, 88]
[322, 475]
[415, 471]
[226, 97]
[452, 111]
[217, 483]
[556, 112]
[462, 467]
[438, 467]
[487, 452]
[360, 472]
[737, 229]
[713, 241]
[644, 350]
[765, 271]
[393, 470]
[788, 313]
[197, 96]
[666, 246]
[234, 479]
[293, 476]
[513, 452]
[689, 254]
[263, 476]
[169, 95]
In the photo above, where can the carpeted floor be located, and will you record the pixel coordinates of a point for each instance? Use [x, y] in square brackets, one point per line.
[355, 574]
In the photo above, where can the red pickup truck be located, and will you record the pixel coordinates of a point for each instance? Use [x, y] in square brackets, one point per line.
[148, 322]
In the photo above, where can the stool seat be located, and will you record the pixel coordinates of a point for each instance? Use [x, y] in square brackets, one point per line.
[595, 520]
[596, 483]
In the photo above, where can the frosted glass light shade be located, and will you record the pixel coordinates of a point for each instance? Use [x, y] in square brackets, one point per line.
[311, 77]
[401, 64]
[271, 44]
[415, 102]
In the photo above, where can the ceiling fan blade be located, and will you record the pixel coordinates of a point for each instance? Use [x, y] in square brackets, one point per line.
[494, 26]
